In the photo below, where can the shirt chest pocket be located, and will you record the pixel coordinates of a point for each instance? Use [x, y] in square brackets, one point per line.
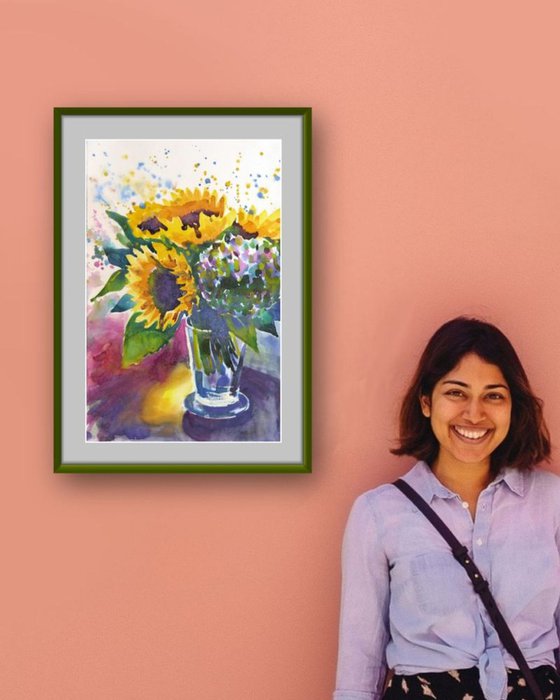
[438, 584]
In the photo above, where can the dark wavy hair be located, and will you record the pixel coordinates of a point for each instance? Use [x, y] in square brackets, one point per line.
[528, 440]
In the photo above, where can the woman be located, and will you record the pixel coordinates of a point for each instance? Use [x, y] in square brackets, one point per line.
[471, 419]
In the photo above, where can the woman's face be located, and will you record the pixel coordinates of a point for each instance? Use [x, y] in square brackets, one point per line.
[469, 411]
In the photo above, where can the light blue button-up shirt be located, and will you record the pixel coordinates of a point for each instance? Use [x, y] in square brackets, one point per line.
[408, 605]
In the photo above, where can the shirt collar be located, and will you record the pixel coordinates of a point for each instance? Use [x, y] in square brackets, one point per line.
[422, 478]
[514, 478]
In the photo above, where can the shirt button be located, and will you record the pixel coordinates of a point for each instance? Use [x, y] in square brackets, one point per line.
[465, 504]
[479, 541]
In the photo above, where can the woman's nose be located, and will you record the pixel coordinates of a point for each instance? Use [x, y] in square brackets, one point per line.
[474, 411]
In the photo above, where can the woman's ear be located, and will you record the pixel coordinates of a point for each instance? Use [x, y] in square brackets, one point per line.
[425, 405]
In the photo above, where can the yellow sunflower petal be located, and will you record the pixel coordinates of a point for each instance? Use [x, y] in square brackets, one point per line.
[262, 225]
[176, 231]
[186, 201]
[141, 214]
[212, 226]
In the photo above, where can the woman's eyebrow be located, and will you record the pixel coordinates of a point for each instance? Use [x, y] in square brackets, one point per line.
[488, 386]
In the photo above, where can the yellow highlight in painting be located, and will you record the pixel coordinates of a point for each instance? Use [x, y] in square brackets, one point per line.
[163, 403]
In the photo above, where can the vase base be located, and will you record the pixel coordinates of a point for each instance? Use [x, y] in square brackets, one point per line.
[217, 412]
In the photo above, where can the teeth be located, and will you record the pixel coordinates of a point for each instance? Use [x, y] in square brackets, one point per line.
[471, 434]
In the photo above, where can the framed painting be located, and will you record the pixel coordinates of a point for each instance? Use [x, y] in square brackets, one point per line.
[182, 290]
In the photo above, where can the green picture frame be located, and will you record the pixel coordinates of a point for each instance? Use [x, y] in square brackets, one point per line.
[132, 417]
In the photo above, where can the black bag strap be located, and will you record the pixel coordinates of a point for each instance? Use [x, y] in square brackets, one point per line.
[480, 585]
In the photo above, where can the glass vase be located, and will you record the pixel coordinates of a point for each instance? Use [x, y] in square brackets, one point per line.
[216, 360]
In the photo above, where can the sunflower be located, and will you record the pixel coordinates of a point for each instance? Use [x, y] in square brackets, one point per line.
[185, 202]
[208, 228]
[161, 285]
[186, 205]
[145, 218]
[252, 225]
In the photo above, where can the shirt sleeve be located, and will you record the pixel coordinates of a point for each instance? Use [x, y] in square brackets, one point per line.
[557, 614]
[364, 609]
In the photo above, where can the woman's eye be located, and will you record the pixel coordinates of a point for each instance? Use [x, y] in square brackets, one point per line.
[495, 397]
[454, 392]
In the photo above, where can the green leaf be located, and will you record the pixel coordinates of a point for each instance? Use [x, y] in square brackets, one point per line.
[233, 230]
[208, 364]
[264, 321]
[115, 283]
[117, 256]
[125, 303]
[121, 238]
[140, 341]
[122, 221]
[244, 331]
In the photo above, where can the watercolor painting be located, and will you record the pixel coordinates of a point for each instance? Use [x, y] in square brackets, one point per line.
[183, 298]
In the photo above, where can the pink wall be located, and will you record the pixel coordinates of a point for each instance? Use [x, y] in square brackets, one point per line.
[436, 192]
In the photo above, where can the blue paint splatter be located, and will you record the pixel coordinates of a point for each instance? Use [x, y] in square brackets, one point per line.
[207, 180]
[127, 193]
[98, 195]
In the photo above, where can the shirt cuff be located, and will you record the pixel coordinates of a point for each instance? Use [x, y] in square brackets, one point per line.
[355, 695]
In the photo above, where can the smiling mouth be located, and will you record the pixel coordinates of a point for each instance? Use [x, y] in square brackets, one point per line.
[471, 435]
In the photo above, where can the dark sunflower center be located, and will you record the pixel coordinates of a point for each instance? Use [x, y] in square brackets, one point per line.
[164, 289]
[152, 225]
[193, 219]
[238, 230]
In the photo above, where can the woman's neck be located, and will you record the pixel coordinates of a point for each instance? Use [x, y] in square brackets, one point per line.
[467, 480]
